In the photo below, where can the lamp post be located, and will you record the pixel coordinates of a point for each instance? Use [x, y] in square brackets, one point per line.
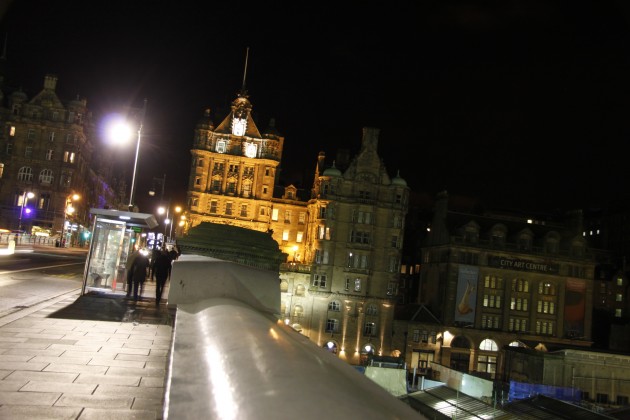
[68, 210]
[121, 131]
[177, 210]
[25, 198]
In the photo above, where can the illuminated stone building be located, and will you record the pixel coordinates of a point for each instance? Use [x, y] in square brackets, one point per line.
[343, 243]
[494, 280]
[47, 148]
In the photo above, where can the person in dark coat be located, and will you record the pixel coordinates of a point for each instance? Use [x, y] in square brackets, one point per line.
[132, 257]
[139, 273]
[161, 271]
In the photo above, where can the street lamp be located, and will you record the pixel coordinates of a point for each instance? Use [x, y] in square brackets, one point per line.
[120, 131]
[68, 210]
[161, 211]
[25, 198]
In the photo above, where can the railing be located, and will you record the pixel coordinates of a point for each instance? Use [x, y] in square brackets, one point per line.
[233, 358]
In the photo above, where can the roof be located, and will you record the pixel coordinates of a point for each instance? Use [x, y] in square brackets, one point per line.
[442, 402]
[542, 407]
[131, 218]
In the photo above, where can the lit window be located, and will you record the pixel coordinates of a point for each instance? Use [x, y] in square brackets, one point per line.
[285, 235]
[334, 306]
[299, 237]
[68, 157]
[12, 131]
[488, 345]
[221, 146]
[274, 215]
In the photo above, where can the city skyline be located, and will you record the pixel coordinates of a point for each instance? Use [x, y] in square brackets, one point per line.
[520, 105]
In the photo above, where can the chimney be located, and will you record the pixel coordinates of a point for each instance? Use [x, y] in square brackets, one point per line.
[370, 138]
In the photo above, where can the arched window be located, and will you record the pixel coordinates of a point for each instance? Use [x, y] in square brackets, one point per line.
[331, 346]
[334, 306]
[460, 342]
[284, 286]
[488, 345]
[46, 177]
[25, 174]
[298, 310]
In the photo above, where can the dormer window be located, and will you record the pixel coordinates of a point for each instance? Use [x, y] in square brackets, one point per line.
[221, 146]
[239, 125]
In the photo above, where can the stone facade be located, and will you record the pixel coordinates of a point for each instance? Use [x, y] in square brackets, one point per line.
[343, 243]
[48, 147]
[493, 280]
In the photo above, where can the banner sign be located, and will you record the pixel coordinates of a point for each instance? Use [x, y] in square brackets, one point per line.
[466, 302]
[523, 265]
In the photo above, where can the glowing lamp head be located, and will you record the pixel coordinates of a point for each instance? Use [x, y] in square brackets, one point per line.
[119, 131]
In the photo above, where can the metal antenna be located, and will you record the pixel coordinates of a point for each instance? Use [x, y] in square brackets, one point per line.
[245, 71]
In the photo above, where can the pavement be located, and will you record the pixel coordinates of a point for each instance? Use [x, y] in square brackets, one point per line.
[92, 356]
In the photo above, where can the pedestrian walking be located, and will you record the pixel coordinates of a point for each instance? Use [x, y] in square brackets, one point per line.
[132, 257]
[161, 271]
[139, 274]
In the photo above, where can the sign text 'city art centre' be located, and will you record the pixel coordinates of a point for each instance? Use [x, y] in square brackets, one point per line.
[524, 265]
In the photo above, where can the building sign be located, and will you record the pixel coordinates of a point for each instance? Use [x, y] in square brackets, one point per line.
[523, 265]
[466, 293]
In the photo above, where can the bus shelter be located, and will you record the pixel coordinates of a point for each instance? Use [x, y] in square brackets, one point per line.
[114, 234]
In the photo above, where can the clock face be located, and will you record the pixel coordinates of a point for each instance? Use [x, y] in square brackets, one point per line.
[238, 126]
[250, 150]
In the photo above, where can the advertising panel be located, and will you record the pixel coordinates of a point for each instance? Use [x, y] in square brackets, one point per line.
[574, 307]
[466, 302]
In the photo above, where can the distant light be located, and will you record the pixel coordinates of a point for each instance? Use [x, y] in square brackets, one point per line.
[125, 217]
[27, 210]
[530, 221]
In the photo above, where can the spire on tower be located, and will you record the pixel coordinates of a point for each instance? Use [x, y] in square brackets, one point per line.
[243, 89]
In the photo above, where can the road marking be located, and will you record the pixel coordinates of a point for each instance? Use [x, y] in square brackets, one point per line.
[39, 268]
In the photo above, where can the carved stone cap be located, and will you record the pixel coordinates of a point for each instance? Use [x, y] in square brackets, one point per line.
[232, 243]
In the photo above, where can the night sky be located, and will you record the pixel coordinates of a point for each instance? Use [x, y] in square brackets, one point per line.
[520, 104]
